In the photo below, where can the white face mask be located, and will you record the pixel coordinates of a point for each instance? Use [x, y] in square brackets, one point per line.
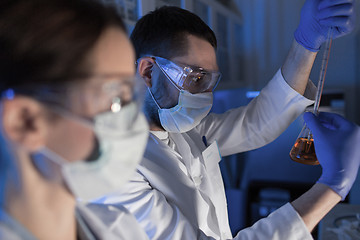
[187, 114]
[122, 138]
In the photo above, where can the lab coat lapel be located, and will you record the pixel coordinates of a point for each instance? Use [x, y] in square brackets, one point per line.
[211, 187]
[191, 156]
[190, 148]
[91, 223]
[161, 165]
[110, 221]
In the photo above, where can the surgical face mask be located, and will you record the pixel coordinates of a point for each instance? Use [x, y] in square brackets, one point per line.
[122, 139]
[187, 114]
[121, 133]
[191, 108]
[195, 99]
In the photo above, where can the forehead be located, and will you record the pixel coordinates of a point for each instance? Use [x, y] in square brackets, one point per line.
[113, 54]
[200, 53]
[113, 67]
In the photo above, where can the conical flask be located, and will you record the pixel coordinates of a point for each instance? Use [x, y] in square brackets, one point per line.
[303, 150]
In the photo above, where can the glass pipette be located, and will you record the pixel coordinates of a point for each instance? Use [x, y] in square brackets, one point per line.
[323, 70]
[303, 150]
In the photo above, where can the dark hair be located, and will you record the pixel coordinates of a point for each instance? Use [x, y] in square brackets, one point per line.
[47, 41]
[163, 32]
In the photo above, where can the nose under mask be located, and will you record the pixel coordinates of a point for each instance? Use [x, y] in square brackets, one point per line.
[119, 145]
[187, 114]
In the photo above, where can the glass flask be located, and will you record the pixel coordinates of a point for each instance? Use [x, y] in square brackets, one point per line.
[303, 150]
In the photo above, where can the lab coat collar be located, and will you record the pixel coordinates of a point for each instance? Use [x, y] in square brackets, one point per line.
[162, 135]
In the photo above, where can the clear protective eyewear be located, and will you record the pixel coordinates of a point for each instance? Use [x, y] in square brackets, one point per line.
[94, 96]
[192, 79]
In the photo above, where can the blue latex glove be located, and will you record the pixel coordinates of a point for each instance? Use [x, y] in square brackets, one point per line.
[317, 16]
[337, 147]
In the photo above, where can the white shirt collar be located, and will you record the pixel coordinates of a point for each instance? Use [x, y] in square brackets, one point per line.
[162, 135]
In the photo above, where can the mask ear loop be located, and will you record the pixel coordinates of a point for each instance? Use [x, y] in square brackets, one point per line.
[152, 96]
[168, 77]
[163, 71]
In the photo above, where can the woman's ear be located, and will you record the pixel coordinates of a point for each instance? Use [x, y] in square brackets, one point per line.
[24, 122]
[145, 66]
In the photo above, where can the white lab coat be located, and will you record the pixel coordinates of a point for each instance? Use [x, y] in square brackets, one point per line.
[178, 194]
[94, 222]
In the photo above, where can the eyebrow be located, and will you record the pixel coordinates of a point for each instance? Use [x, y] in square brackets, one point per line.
[194, 66]
[188, 65]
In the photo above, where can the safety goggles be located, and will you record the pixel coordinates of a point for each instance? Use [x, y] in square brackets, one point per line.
[192, 79]
[98, 94]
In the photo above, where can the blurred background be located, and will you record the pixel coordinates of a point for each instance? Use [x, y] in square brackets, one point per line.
[254, 37]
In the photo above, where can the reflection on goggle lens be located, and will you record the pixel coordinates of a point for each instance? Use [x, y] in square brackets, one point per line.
[192, 79]
[116, 105]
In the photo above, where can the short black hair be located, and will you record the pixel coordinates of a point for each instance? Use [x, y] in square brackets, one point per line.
[163, 32]
[47, 41]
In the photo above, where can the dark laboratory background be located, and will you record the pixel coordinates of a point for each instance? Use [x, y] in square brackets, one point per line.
[253, 40]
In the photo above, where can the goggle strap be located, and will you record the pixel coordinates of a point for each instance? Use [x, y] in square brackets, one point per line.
[52, 156]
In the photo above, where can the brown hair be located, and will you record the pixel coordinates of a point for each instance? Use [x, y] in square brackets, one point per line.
[47, 41]
[163, 32]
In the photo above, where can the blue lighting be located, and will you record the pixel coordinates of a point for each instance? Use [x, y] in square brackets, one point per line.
[252, 94]
[9, 94]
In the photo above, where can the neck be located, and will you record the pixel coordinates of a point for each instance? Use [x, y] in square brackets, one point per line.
[153, 126]
[156, 128]
[46, 209]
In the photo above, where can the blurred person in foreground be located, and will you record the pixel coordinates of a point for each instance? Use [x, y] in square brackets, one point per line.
[71, 129]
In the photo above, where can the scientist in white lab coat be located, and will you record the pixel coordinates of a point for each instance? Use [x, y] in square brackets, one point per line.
[69, 125]
[177, 192]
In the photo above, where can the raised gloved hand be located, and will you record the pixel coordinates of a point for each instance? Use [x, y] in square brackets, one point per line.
[317, 16]
[337, 147]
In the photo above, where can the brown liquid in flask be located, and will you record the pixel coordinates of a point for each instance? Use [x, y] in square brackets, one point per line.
[303, 151]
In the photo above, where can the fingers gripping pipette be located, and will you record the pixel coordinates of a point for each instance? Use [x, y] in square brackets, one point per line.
[303, 150]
